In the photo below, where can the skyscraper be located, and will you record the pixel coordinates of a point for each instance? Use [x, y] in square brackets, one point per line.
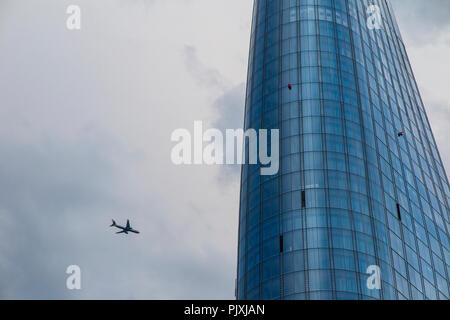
[361, 191]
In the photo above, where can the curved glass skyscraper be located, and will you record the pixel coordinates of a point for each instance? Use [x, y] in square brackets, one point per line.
[361, 189]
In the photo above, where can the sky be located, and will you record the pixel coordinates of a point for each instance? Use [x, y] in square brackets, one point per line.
[85, 126]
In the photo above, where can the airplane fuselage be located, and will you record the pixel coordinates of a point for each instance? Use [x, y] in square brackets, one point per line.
[126, 229]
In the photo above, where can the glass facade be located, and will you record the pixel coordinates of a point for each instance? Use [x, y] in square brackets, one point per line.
[361, 182]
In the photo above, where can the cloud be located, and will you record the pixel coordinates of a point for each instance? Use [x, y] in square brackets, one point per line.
[85, 129]
[230, 111]
[203, 75]
[431, 68]
[228, 106]
[53, 198]
[229, 101]
[439, 117]
[86, 120]
[422, 21]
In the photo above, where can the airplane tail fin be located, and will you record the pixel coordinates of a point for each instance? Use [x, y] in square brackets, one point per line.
[113, 224]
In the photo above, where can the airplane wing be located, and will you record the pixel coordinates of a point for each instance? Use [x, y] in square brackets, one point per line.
[128, 224]
[123, 231]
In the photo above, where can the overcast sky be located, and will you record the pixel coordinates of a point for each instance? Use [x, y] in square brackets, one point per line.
[85, 123]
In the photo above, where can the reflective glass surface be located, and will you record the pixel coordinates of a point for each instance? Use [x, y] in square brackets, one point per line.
[361, 181]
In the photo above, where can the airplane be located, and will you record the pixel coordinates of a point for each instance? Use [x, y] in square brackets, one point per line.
[126, 229]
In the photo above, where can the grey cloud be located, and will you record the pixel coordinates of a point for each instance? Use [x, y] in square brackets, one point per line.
[56, 202]
[230, 108]
[48, 198]
[85, 125]
[422, 21]
[439, 117]
[204, 76]
[230, 111]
